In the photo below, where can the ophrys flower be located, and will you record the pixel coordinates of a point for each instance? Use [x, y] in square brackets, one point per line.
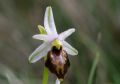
[54, 46]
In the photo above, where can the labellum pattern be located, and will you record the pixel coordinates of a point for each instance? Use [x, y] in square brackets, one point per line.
[57, 62]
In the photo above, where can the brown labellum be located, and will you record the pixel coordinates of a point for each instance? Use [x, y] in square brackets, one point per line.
[57, 62]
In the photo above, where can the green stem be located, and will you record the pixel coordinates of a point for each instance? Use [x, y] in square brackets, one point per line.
[92, 72]
[96, 60]
[45, 75]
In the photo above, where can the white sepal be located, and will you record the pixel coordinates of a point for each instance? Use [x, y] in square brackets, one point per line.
[40, 52]
[41, 37]
[69, 49]
[49, 23]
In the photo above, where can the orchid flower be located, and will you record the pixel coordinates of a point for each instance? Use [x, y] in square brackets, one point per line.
[54, 46]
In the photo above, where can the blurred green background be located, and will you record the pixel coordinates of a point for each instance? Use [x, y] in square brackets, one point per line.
[91, 18]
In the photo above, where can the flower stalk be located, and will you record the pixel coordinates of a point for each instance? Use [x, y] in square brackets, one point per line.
[45, 75]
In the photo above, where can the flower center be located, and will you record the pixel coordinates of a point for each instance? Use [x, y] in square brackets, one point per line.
[57, 43]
